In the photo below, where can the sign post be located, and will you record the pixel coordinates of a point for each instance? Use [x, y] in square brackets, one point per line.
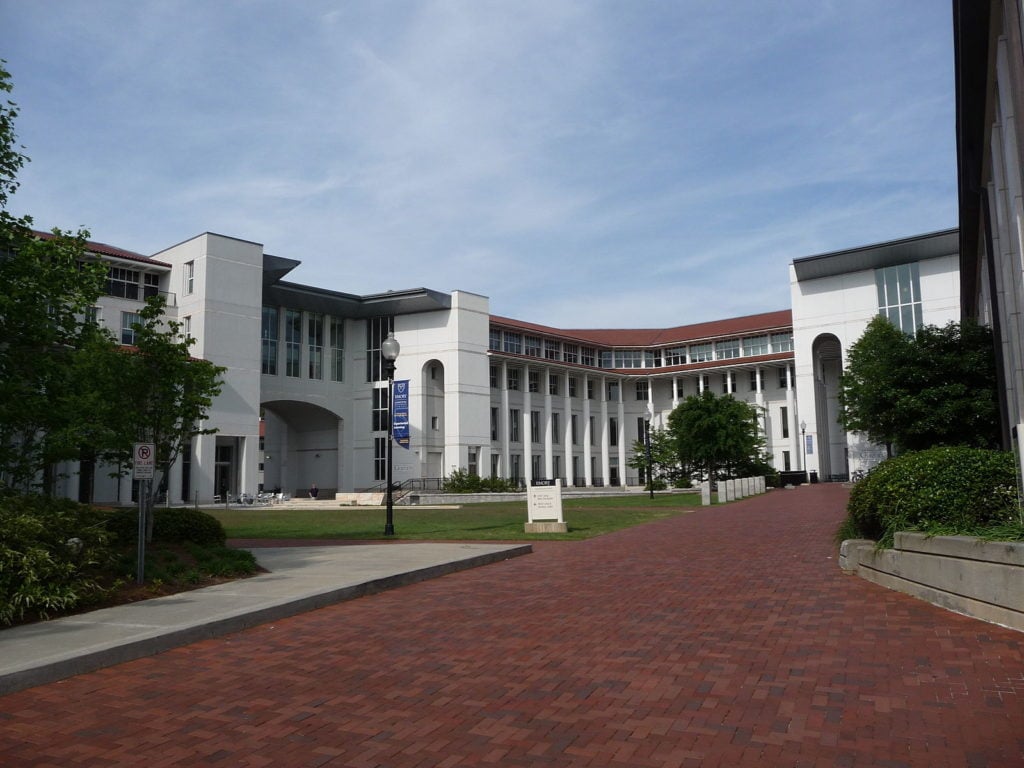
[143, 469]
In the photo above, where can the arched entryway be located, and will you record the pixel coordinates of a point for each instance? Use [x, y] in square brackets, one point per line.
[432, 419]
[301, 447]
[833, 462]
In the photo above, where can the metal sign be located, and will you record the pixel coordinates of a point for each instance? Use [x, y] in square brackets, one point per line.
[143, 461]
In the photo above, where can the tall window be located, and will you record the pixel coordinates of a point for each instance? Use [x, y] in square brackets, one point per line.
[574, 428]
[494, 377]
[534, 381]
[186, 327]
[784, 418]
[551, 350]
[128, 321]
[613, 431]
[899, 296]
[315, 341]
[269, 333]
[292, 342]
[494, 423]
[642, 389]
[337, 349]
[190, 277]
[552, 384]
[573, 386]
[728, 383]
[514, 343]
[150, 285]
[380, 410]
[533, 346]
[556, 419]
[123, 283]
[377, 329]
[513, 378]
[535, 426]
[495, 340]
[513, 425]
[380, 458]
[570, 353]
[588, 355]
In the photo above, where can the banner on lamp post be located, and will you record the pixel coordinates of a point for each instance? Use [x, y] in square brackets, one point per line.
[400, 413]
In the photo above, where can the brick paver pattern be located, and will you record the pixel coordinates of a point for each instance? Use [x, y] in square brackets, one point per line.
[726, 637]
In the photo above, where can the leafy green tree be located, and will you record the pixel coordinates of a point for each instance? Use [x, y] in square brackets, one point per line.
[716, 436]
[664, 458]
[916, 392]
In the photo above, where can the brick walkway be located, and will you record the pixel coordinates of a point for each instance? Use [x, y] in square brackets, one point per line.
[722, 638]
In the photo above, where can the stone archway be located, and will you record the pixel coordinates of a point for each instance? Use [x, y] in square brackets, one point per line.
[301, 447]
[827, 356]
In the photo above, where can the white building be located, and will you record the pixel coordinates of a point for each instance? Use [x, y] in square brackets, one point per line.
[305, 397]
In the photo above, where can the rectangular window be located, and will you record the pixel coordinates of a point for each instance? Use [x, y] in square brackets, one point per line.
[186, 327]
[552, 384]
[269, 333]
[551, 350]
[495, 340]
[573, 386]
[782, 342]
[728, 349]
[753, 381]
[613, 431]
[292, 342]
[315, 341]
[786, 462]
[675, 356]
[532, 346]
[513, 425]
[494, 423]
[128, 322]
[513, 378]
[337, 349]
[534, 381]
[755, 345]
[514, 343]
[588, 355]
[613, 391]
[592, 431]
[94, 315]
[380, 458]
[784, 418]
[123, 283]
[783, 378]
[377, 329]
[705, 382]
[556, 428]
[574, 428]
[701, 353]
[535, 426]
[642, 390]
[899, 296]
[652, 358]
[379, 414]
[728, 383]
[628, 358]
[570, 353]
[494, 377]
[605, 359]
[590, 389]
[150, 285]
[190, 277]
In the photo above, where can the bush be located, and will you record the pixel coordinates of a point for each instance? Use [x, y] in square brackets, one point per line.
[52, 555]
[177, 524]
[941, 490]
[461, 481]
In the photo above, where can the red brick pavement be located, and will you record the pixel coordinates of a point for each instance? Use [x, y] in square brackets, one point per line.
[727, 637]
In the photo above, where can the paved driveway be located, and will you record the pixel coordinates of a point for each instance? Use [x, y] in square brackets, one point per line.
[727, 637]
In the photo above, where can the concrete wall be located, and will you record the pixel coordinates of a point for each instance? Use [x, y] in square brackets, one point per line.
[981, 579]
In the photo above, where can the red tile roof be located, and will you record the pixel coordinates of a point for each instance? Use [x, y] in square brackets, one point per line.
[108, 250]
[765, 322]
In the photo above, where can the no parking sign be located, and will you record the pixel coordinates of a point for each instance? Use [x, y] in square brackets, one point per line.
[144, 461]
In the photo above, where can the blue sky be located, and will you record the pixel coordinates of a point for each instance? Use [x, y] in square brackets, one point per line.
[609, 163]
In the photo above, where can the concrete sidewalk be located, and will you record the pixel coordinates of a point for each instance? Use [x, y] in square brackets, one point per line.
[301, 579]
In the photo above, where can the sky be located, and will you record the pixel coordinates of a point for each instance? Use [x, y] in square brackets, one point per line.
[591, 164]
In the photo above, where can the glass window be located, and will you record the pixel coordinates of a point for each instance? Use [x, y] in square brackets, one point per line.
[494, 423]
[532, 346]
[128, 322]
[755, 345]
[495, 340]
[123, 283]
[190, 277]
[605, 359]
[701, 353]
[551, 350]
[535, 426]
[570, 353]
[652, 358]
[292, 342]
[642, 389]
[513, 424]
[337, 349]
[588, 355]
[534, 381]
[552, 384]
[556, 428]
[315, 341]
[899, 296]
[380, 409]
[573, 386]
[782, 342]
[613, 431]
[494, 377]
[377, 329]
[513, 378]
[628, 358]
[150, 285]
[728, 349]
[514, 343]
[269, 332]
[675, 356]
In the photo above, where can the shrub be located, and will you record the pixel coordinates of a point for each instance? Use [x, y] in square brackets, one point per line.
[177, 524]
[949, 490]
[52, 554]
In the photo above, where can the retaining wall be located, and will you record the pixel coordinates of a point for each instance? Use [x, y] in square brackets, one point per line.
[982, 579]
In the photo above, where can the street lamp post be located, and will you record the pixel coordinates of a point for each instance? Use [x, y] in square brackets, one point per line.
[647, 446]
[803, 442]
[389, 350]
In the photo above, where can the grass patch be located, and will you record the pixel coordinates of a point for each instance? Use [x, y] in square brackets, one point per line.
[489, 521]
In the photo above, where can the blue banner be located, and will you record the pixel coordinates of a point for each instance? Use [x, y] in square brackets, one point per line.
[400, 413]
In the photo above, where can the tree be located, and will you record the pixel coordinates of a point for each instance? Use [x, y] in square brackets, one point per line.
[715, 435]
[915, 392]
[664, 458]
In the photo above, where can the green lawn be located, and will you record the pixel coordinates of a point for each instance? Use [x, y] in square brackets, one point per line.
[498, 521]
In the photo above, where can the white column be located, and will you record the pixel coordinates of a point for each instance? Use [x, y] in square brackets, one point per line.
[675, 391]
[343, 483]
[606, 464]
[505, 425]
[588, 452]
[174, 477]
[549, 438]
[621, 412]
[527, 428]
[794, 421]
[570, 475]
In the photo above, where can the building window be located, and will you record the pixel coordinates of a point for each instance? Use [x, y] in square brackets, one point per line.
[532, 346]
[755, 345]
[754, 375]
[552, 384]
[629, 358]
[494, 377]
[495, 465]
[652, 358]
[613, 391]
[605, 359]
[551, 350]
[292, 342]
[513, 378]
[380, 409]
[590, 389]
[128, 322]
[535, 463]
[556, 427]
[337, 349]
[728, 383]
[315, 341]
[494, 423]
[513, 425]
[701, 353]
[150, 285]
[380, 458]
[782, 342]
[613, 431]
[94, 315]
[190, 277]
[377, 329]
[705, 382]
[573, 386]
[783, 377]
[785, 462]
[899, 296]
[592, 431]
[534, 381]
[643, 388]
[784, 418]
[728, 349]
[434, 423]
[675, 356]
[186, 327]
[570, 353]
[514, 343]
[123, 283]
[535, 426]
[574, 429]
[495, 340]
[269, 333]
[587, 356]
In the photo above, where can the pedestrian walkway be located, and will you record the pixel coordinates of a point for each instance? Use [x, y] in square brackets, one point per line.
[725, 637]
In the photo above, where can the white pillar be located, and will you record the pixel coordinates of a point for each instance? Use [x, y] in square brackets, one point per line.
[570, 475]
[549, 437]
[621, 415]
[605, 441]
[527, 428]
[588, 451]
[505, 424]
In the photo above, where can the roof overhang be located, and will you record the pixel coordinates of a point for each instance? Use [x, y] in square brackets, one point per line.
[930, 246]
[310, 299]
